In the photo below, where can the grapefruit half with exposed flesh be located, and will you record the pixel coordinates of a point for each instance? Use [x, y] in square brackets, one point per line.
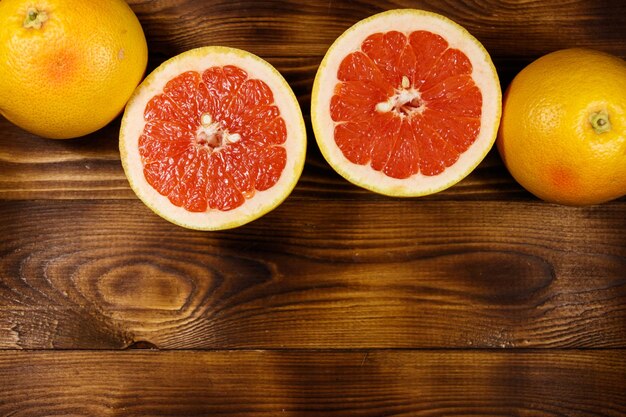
[213, 139]
[406, 103]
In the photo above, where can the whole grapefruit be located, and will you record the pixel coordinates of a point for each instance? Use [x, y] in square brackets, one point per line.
[563, 130]
[68, 67]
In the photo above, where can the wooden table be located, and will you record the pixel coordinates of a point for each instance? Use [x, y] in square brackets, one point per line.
[480, 300]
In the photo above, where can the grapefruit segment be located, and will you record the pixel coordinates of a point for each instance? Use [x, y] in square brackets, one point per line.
[405, 103]
[213, 139]
[428, 48]
[384, 130]
[405, 153]
[452, 62]
[359, 67]
[391, 54]
[271, 163]
[222, 192]
[182, 90]
[162, 107]
[355, 101]
[460, 131]
[161, 141]
[356, 150]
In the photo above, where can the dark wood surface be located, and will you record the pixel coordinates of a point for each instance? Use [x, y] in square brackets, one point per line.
[480, 300]
[324, 383]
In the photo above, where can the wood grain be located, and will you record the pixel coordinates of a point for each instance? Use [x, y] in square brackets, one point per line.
[477, 301]
[514, 32]
[325, 274]
[365, 384]
[89, 168]
[307, 28]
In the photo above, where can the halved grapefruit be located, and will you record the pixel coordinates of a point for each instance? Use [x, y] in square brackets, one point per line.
[405, 103]
[213, 139]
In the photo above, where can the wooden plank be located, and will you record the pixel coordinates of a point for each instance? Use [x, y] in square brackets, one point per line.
[365, 384]
[329, 274]
[34, 168]
[89, 168]
[284, 28]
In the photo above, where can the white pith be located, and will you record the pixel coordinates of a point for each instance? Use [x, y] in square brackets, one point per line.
[212, 136]
[405, 21]
[199, 60]
[404, 94]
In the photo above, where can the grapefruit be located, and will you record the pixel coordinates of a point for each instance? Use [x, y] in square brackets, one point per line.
[563, 131]
[213, 139]
[405, 103]
[68, 66]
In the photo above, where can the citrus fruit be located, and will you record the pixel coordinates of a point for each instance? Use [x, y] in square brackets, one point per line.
[405, 103]
[563, 131]
[68, 66]
[213, 138]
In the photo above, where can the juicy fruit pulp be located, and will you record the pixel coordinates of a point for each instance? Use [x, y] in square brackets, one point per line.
[212, 139]
[405, 104]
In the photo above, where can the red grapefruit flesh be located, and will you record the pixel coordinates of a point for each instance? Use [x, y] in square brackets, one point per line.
[406, 103]
[213, 138]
